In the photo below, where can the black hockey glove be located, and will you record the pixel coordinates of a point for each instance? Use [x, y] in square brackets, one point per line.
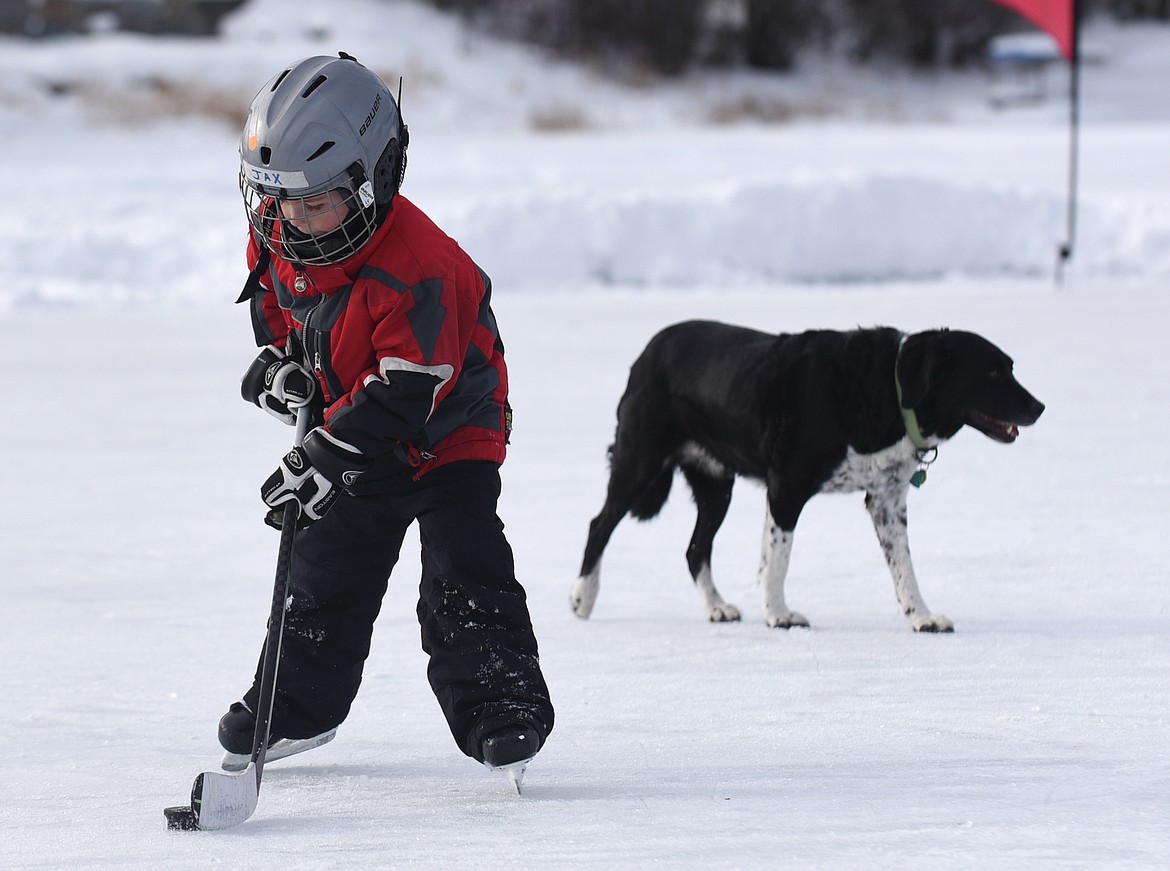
[278, 384]
[312, 476]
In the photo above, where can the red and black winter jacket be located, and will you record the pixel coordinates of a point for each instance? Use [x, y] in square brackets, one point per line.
[403, 341]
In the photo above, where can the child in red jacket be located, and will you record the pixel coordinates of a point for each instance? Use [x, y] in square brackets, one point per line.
[372, 316]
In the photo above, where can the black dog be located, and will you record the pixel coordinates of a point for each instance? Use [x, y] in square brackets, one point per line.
[806, 413]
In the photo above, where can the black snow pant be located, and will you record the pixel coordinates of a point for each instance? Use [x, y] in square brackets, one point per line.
[484, 666]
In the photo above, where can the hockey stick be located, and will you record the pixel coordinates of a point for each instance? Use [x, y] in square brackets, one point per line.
[220, 800]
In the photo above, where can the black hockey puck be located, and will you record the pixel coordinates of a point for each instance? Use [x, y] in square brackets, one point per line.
[181, 819]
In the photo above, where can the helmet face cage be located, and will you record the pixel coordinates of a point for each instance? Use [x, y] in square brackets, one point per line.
[348, 225]
[314, 160]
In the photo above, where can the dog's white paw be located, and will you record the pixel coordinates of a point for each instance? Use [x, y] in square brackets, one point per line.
[932, 623]
[723, 612]
[583, 594]
[786, 620]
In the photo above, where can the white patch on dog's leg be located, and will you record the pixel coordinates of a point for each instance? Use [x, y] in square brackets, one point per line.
[774, 555]
[718, 611]
[583, 593]
[888, 511]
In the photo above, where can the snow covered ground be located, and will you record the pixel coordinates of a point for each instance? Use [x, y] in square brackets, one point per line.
[135, 574]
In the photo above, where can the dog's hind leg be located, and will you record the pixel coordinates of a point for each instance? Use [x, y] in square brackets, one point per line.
[712, 498]
[629, 489]
[641, 470]
[887, 508]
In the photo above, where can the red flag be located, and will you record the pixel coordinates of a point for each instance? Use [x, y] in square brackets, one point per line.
[1056, 17]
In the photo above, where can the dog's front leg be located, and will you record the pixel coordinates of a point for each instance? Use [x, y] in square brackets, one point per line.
[887, 508]
[775, 553]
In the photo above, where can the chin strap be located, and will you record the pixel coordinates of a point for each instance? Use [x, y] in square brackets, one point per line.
[253, 286]
[927, 454]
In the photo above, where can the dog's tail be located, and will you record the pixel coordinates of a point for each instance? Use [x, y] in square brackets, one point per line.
[650, 501]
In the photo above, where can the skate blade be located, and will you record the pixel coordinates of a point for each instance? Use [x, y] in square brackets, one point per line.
[515, 772]
[279, 750]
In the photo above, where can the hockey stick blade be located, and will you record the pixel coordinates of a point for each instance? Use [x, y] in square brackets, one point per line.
[221, 801]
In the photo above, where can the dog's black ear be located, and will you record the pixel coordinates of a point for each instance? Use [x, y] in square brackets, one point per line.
[917, 361]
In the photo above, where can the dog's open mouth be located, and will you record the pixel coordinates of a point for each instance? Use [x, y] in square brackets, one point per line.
[1000, 430]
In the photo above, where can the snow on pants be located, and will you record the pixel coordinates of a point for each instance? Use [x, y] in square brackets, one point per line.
[484, 666]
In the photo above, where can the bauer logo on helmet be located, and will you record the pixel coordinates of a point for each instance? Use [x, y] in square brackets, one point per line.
[370, 117]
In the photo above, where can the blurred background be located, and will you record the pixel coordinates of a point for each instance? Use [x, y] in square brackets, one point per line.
[605, 143]
[663, 36]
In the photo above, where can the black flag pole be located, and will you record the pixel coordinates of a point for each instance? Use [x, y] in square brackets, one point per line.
[1066, 249]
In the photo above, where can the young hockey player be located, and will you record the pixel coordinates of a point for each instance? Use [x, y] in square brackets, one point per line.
[368, 313]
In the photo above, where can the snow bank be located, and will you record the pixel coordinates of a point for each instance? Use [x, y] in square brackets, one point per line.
[869, 228]
[137, 245]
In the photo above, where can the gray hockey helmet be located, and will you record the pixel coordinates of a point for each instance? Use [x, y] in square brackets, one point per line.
[325, 125]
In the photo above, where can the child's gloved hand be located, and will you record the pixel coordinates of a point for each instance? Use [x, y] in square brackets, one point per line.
[312, 476]
[278, 384]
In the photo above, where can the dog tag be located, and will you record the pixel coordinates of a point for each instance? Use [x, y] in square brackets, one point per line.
[918, 478]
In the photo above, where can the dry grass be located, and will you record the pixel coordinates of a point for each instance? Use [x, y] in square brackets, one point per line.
[416, 76]
[764, 110]
[557, 119]
[149, 100]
